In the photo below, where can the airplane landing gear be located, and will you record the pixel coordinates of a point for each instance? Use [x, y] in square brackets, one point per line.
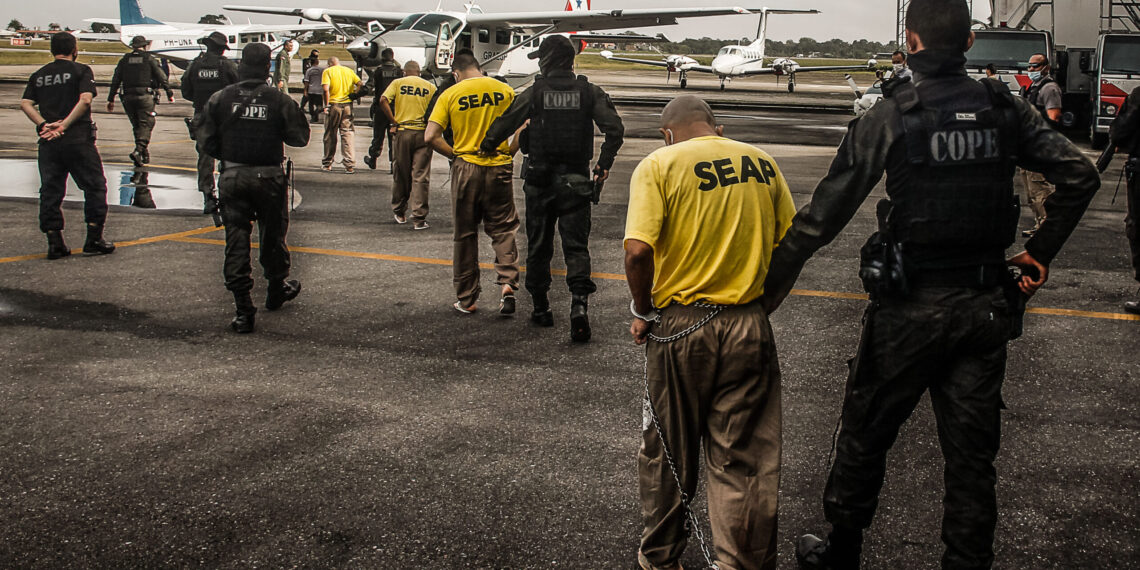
[722, 84]
[684, 81]
[791, 84]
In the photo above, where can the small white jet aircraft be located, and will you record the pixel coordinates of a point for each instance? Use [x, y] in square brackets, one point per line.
[431, 38]
[743, 60]
[178, 42]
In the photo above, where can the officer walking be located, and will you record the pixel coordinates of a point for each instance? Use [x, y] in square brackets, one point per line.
[943, 304]
[244, 126]
[1125, 134]
[136, 78]
[58, 100]
[378, 81]
[1044, 93]
[206, 75]
[562, 110]
[404, 104]
[283, 66]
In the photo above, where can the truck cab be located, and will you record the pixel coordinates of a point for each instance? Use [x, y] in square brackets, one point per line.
[1117, 73]
[1008, 51]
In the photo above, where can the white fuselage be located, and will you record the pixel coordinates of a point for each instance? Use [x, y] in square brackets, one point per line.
[737, 60]
[179, 42]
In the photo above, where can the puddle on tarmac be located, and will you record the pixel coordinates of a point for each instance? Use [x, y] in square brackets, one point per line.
[147, 188]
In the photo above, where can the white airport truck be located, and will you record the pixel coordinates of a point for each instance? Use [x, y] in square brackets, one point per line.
[1093, 46]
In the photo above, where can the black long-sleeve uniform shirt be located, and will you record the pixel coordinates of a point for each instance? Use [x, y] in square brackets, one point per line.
[604, 114]
[877, 137]
[158, 78]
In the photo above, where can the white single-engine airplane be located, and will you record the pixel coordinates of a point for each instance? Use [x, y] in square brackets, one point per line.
[740, 60]
[431, 38]
[178, 42]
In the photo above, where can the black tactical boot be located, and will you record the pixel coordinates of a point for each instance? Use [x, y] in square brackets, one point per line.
[840, 551]
[56, 247]
[579, 321]
[209, 202]
[137, 159]
[243, 320]
[95, 244]
[370, 161]
[542, 315]
[280, 292]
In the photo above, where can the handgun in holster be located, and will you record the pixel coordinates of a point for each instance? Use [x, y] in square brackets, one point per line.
[881, 263]
[599, 183]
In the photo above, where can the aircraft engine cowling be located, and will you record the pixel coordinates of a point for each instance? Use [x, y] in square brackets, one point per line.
[313, 14]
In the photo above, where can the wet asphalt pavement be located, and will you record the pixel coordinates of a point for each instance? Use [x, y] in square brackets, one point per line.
[367, 424]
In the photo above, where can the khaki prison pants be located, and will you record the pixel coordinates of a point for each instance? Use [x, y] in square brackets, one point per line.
[1037, 190]
[411, 170]
[339, 123]
[483, 194]
[719, 386]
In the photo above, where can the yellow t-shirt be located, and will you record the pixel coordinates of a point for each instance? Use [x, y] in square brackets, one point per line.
[341, 81]
[469, 107]
[409, 98]
[712, 209]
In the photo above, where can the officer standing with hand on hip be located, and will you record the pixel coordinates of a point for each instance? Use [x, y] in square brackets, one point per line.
[63, 91]
[943, 303]
[206, 75]
[562, 110]
[244, 126]
[138, 75]
[1125, 134]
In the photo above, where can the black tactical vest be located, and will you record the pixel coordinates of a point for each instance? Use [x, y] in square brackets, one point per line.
[386, 73]
[1031, 92]
[955, 189]
[137, 72]
[561, 128]
[206, 73]
[255, 133]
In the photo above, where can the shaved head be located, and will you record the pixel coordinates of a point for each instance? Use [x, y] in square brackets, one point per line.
[686, 110]
[411, 68]
[334, 60]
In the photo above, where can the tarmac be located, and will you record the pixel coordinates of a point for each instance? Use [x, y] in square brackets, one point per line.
[367, 424]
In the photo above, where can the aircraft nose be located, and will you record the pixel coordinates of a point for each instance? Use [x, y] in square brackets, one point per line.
[360, 46]
[722, 66]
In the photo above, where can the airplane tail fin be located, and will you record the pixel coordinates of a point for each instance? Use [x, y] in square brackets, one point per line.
[130, 14]
[762, 29]
[577, 5]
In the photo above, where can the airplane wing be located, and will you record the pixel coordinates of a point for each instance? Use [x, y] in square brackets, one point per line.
[587, 20]
[779, 70]
[112, 21]
[323, 14]
[656, 63]
[286, 29]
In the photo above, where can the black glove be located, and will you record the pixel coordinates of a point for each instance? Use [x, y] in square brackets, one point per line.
[354, 96]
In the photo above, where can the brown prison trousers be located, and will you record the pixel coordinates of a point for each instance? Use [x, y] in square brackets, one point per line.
[411, 169]
[483, 194]
[1037, 190]
[719, 386]
[339, 123]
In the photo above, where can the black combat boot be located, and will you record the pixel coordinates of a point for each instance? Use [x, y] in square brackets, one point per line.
[541, 315]
[579, 320]
[209, 202]
[95, 244]
[840, 551]
[136, 159]
[281, 291]
[243, 320]
[1129, 306]
[56, 247]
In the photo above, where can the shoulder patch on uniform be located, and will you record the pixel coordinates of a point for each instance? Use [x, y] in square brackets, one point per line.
[965, 117]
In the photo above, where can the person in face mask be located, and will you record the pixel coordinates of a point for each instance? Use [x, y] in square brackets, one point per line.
[898, 65]
[1045, 95]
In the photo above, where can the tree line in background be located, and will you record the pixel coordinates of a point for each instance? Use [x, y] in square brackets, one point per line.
[858, 49]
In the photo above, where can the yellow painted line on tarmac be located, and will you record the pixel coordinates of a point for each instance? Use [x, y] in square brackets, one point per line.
[166, 166]
[118, 244]
[618, 277]
[132, 145]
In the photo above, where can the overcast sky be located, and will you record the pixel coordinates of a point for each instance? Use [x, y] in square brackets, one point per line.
[844, 19]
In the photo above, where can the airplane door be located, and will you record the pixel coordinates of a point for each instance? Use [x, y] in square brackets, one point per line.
[444, 47]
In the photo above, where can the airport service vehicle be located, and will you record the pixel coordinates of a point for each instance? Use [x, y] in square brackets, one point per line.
[178, 42]
[432, 37]
[1093, 47]
[743, 60]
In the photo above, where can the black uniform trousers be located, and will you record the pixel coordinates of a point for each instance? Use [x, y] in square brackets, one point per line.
[952, 342]
[1132, 221]
[139, 108]
[81, 160]
[380, 127]
[564, 202]
[251, 193]
[206, 164]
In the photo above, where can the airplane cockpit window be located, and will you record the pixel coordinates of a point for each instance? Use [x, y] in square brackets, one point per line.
[723, 51]
[272, 38]
[484, 35]
[429, 22]
[502, 37]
